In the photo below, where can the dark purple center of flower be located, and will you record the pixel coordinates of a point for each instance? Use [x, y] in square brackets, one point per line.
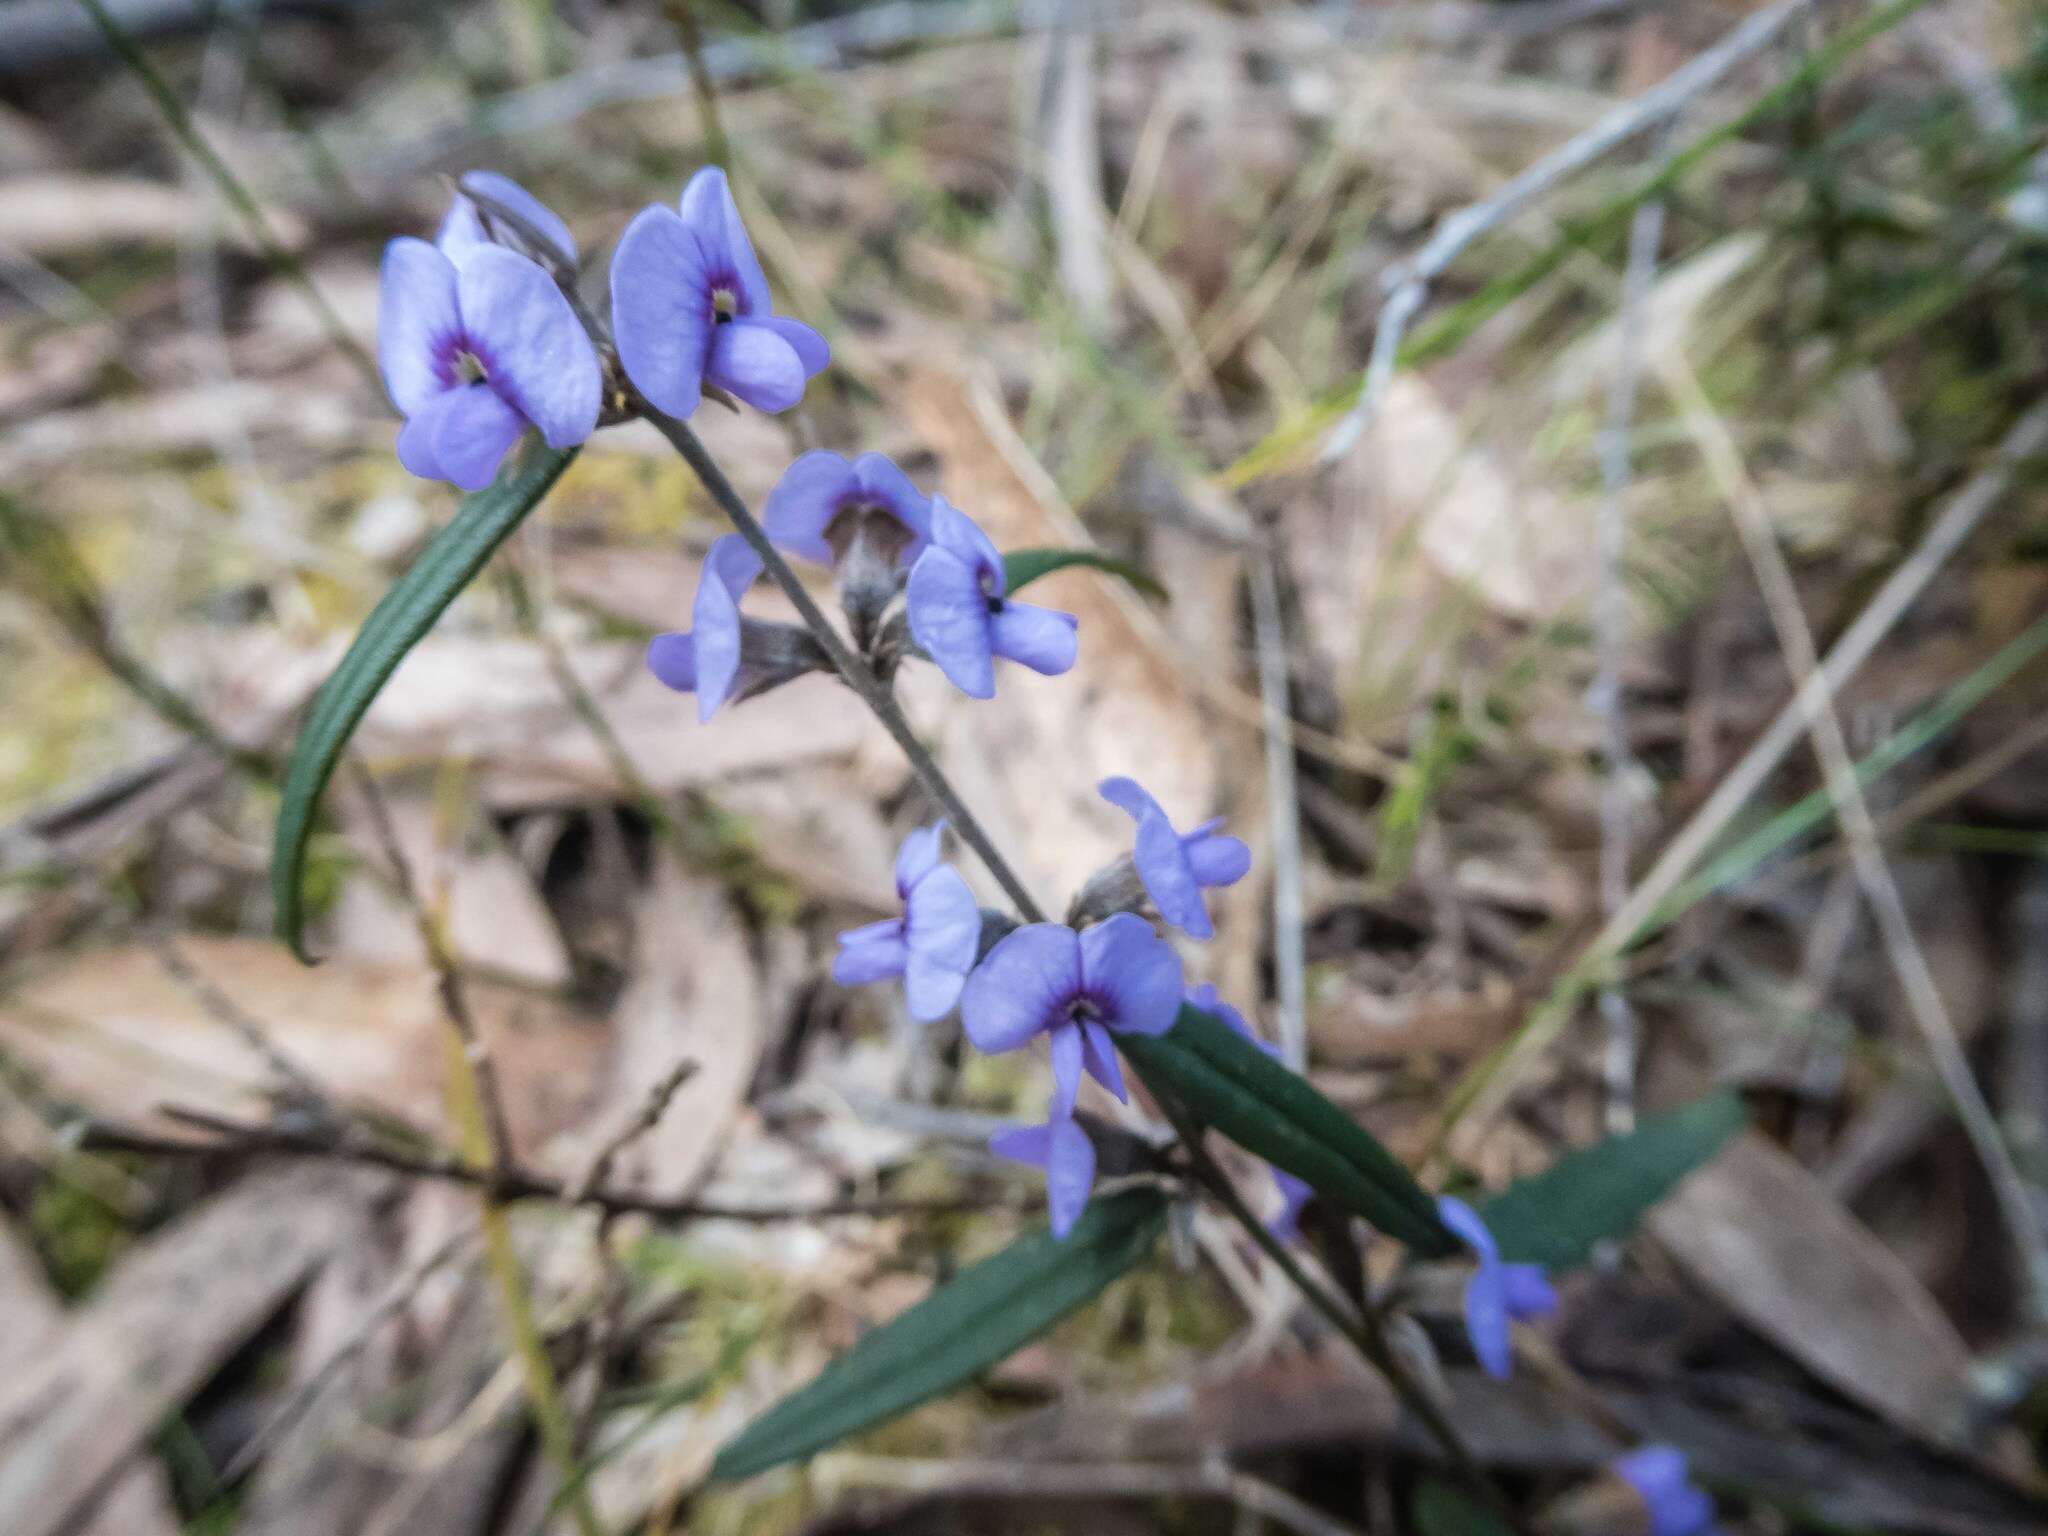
[1082, 1008]
[725, 298]
[462, 361]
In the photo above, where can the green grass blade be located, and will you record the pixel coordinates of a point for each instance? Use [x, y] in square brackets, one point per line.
[955, 1333]
[1227, 1082]
[394, 627]
[1587, 1197]
[1021, 567]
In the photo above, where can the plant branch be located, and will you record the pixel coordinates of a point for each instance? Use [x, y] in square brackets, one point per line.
[851, 668]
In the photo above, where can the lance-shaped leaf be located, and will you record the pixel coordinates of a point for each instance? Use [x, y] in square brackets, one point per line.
[959, 1330]
[1021, 567]
[1557, 1217]
[393, 628]
[1227, 1082]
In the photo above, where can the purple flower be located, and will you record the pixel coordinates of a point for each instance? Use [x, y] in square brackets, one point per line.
[690, 307]
[1176, 866]
[931, 946]
[822, 502]
[706, 660]
[1497, 1293]
[961, 618]
[1676, 1507]
[466, 224]
[1066, 1154]
[1295, 1193]
[1079, 990]
[476, 343]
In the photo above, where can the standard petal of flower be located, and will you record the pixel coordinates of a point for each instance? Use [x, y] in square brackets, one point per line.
[810, 348]
[1162, 865]
[1464, 1222]
[539, 356]
[473, 431]
[1205, 997]
[876, 952]
[732, 563]
[751, 363]
[918, 856]
[708, 208]
[804, 502]
[661, 310]
[1661, 1476]
[949, 619]
[1030, 1144]
[1066, 1052]
[943, 927]
[1043, 639]
[1098, 1055]
[1134, 974]
[1021, 987]
[1218, 860]
[673, 659]
[515, 199]
[1486, 1320]
[881, 481]
[462, 229]
[954, 530]
[717, 615]
[1526, 1291]
[1069, 1175]
[417, 323]
[1133, 799]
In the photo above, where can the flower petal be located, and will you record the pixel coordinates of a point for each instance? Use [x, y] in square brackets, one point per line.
[1030, 1144]
[661, 310]
[1132, 973]
[729, 568]
[1486, 1320]
[673, 659]
[1217, 860]
[1130, 797]
[1098, 1055]
[810, 348]
[949, 619]
[462, 229]
[515, 199]
[954, 530]
[536, 352]
[463, 434]
[1066, 1050]
[1464, 1222]
[943, 928]
[881, 481]
[1527, 1291]
[1205, 997]
[752, 363]
[1021, 987]
[709, 209]
[1295, 1195]
[1069, 1175]
[872, 953]
[804, 502]
[418, 323]
[1042, 639]
[918, 857]
[1162, 864]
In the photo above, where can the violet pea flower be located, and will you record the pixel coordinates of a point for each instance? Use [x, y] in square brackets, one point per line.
[931, 946]
[691, 307]
[1497, 1293]
[465, 223]
[1060, 1148]
[961, 619]
[1295, 1193]
[706, 659]
[1176, 866]
[1079, 990]
[822, 501]
[1676, 1507]
[476, 343]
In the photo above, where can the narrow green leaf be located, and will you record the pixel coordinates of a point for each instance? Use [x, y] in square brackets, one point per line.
[1444, 1509]
[393, 628]
[1227, 1082]
[1021, 567]
[959, 1330]
[1600, 1192]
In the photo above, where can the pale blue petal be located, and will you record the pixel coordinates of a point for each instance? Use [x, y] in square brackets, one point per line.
[535, 351]
[1132, 974]
[753, 364]
[949, 619]
[661, 310]
[1023, 985]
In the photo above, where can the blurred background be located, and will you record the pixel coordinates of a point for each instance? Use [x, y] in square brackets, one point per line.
[1753, 392]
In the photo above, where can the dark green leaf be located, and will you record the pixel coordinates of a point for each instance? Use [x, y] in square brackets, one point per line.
[1227, 1082]
[393, 628]
[1601, 1192]
[1021, 567]
[1444, 1509]
[959, 1330]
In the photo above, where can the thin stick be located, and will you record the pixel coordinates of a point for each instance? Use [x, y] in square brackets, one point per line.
[1489, 1083]
[235, 1139]
[1409, 284]
[1290, 958]
[238, 196]
[1610, 640]
[652, 1108]
[854, 671]
[1852, 810]
[682, 15]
